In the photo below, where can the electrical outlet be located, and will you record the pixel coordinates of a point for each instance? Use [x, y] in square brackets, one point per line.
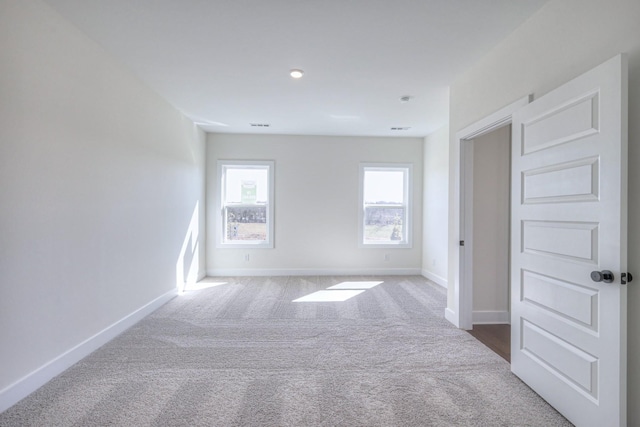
[433, 262]
[246, 257]
[387, 257]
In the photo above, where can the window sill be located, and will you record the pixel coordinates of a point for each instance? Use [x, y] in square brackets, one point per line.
[244, 245]
[385, 245]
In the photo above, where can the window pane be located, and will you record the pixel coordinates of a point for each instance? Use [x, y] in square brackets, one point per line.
[383, 224]
[383, 187]
[385, 214]
[246, 185]
[246, 223]
[245, 204]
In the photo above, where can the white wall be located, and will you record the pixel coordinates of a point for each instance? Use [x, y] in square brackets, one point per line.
[491, 176]
[564, 39]
[435, 206]
[100, 179]
[316, 205]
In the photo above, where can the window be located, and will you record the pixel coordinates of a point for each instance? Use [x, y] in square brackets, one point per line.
[246, 203]
[385, 208]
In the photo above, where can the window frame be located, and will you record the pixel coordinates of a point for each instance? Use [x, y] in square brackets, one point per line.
[223, 166]
[407, 169]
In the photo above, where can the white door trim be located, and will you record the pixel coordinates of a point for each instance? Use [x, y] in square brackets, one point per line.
[462, 315]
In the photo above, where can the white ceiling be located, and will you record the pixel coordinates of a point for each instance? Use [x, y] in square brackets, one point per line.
[225, 63]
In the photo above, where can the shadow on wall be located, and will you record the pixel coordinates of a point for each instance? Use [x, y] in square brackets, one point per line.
[188, 263]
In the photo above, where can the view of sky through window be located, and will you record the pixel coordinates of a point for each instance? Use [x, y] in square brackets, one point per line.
[383, 186]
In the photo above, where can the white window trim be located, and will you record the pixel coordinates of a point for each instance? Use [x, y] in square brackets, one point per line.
[408, 197]
[220, 232]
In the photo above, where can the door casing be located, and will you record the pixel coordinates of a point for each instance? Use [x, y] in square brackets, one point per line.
[461, 314]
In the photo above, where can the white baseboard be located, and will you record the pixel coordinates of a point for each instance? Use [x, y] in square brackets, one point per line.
[314, 272]
[36, 379]
[435, 278]
[491, 317]
[451, 316]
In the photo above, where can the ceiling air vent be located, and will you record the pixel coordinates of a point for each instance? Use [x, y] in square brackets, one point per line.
[401, 128]
[259, 125]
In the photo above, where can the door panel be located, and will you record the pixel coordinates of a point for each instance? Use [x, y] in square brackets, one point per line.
[570, 302]
[571, 364]
[562, 123]
[569, 219]
[576, 241]
[567, 182]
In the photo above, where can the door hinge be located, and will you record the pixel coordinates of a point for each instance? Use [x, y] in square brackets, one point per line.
[461, 242]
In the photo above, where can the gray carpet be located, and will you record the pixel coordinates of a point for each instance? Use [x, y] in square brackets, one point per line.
[243, 354]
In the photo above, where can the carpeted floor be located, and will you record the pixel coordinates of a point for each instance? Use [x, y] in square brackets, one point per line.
[241, 353]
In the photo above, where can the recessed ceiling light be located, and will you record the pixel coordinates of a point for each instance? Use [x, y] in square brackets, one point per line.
[296, 73]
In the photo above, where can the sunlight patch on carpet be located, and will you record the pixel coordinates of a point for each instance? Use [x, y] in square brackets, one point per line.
[330, 296]
[338, 293]
[355, 285]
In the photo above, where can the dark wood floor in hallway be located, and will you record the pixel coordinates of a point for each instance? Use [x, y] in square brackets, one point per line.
[496, 337]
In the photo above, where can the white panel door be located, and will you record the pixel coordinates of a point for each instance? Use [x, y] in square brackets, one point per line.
[569, 207]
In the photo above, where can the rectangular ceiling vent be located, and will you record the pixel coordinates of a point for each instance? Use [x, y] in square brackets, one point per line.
[260, 125]
[401, 128]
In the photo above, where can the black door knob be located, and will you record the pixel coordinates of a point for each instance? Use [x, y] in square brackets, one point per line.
[602, 276]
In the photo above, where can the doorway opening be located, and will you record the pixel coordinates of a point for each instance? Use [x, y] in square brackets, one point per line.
[487, 193]
[461, 313]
